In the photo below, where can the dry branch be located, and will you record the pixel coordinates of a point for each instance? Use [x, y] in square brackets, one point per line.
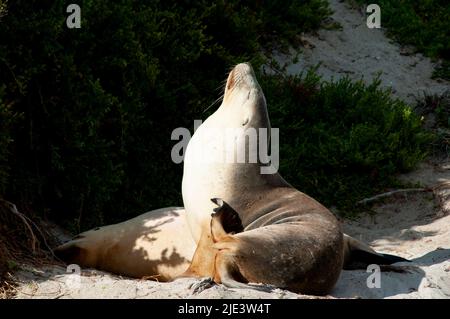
[366, 201]
[13, 209]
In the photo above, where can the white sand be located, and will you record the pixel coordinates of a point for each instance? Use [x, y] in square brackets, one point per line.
[360, 52]
[416, 227]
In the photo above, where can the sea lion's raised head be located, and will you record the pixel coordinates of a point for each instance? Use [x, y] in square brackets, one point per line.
[244, 96]
[223, 156]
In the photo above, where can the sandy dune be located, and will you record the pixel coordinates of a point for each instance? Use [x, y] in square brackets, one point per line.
[359, 52]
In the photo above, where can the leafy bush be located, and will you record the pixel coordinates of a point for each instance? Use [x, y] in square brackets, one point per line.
[423, 24]
[99, 103]
[435, 108]
[342, 141]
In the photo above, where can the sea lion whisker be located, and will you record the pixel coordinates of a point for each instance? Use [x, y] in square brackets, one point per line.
[220, 98]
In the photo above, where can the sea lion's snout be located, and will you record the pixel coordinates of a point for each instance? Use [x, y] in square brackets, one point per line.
[241, 76]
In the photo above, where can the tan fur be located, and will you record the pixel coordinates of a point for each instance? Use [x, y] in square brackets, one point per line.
[157, 244]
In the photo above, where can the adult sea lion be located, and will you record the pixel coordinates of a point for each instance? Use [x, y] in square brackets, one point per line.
[289, 240]
[157, 244]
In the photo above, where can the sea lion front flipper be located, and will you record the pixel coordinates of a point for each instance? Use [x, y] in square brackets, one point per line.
[203, 284]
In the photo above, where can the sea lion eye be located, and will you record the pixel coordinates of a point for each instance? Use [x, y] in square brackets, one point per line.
[248, 95]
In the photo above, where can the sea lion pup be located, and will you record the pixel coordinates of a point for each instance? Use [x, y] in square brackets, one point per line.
[157, 244]
[300, 236]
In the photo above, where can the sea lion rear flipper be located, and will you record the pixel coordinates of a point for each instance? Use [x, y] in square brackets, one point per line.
[358, 255]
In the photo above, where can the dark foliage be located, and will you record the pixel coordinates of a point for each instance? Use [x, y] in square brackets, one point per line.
[86, 114]
[342, 141]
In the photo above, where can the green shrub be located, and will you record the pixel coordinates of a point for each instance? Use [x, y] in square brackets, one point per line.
[99, 103]
[342, 141]
[435, 109]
